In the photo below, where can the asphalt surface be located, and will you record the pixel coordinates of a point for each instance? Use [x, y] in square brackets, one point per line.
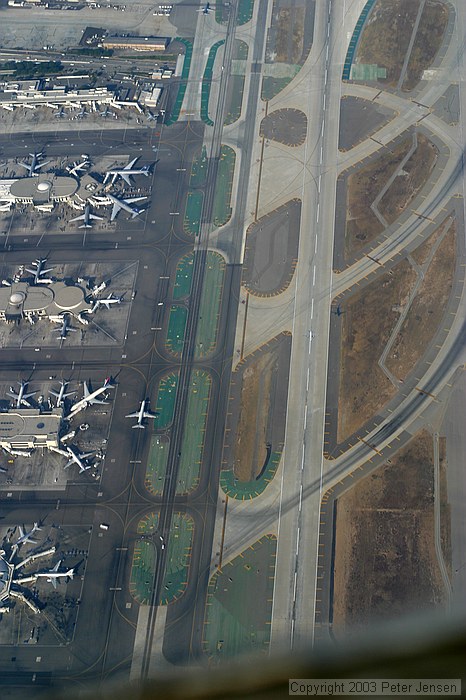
[103, 643]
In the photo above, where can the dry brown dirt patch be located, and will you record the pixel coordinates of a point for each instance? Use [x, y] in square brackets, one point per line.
[385, 561]
[366, 326]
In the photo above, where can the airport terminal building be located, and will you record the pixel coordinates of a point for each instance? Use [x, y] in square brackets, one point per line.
[27, 429]
[44, 190]
[23, 301]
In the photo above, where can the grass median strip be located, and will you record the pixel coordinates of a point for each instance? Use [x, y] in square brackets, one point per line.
[192, 445]
[176, 328]
[209, 310]
[239, 603]
[178, 558]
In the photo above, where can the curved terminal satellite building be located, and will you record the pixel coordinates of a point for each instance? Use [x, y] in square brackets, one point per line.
[43, 191]
[22, 300]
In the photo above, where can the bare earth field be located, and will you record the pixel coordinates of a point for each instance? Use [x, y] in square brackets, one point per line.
[289, 44]
[386, 37]
[385, 40]
[422, 254]
[428, 306]
[366, 184]
[255, 401]
[367, 323]
[409, 182]
[385, 561]
[257, 411]
[445, 509]
[362, 226]
[428, 40]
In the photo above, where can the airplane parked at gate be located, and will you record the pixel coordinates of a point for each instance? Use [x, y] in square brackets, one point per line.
[62, 394]
[65, 327]
[21, 397]
[54, 575]
[35, 164]
[90, 397]
[27, 536]
[78, 167]
[141, 414]
[119, 204]
[38, 271]
[109, 301]
[126, 172]
[87, 217]
[79, 459]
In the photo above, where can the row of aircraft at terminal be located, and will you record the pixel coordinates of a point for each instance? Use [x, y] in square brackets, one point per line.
[90, 398]
[21, 399]
[110, 178]
[53, 575]
[85, 109]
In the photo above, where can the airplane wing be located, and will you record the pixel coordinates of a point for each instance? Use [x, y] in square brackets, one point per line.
[77, 218]
[95, 217]
[86, 390]
[116, 209]
[149, 415]
[21, 531]
[56, 567]
[132, 200]
[53, 581]
[130, 165]
[126, 178]
[132, 415]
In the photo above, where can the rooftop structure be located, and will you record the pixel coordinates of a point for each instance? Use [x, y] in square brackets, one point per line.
[150, 97]
[16, 95]
[136, 43]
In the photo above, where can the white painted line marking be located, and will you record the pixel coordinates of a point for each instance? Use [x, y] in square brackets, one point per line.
[321, 154]
[319, 182]
[307, 378]
[314, 276]
[294, 585]
[305, 417]
[315, 245]
[322, 129]
[326, 75]
[318, 211]
[312, 309]
[326, 53]
[325, 99]
[297, 540]
[300, 495]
